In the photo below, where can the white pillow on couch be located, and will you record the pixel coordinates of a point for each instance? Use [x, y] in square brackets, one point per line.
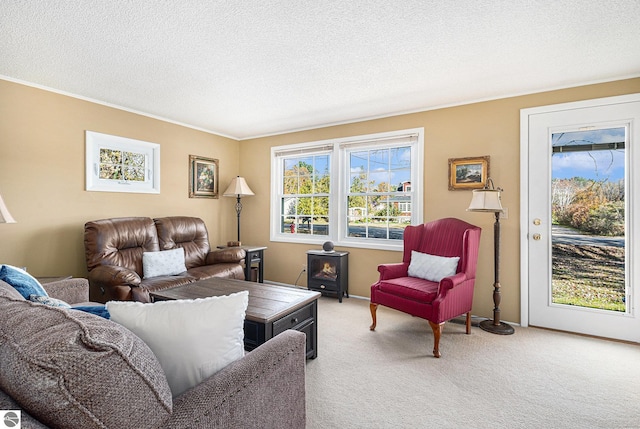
[432, 267]
[192, 339]
[163, 263]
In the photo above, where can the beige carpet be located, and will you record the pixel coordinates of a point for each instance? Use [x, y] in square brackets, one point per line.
[533, 379]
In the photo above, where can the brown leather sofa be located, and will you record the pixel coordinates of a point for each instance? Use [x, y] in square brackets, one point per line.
[114, 248]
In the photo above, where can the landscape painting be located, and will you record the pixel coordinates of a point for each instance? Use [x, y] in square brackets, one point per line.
[468, 173]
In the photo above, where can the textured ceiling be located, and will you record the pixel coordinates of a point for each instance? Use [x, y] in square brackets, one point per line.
[252, 68]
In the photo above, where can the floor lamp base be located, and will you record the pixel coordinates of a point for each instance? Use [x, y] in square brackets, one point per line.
[501, 329]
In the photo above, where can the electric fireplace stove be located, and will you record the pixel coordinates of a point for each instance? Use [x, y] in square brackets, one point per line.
[328, 272]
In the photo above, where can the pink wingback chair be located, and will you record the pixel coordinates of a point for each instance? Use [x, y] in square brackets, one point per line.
[434, 301]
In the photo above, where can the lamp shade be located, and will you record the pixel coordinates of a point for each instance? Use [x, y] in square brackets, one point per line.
[238, 188]
[5, 216]
[485, 200]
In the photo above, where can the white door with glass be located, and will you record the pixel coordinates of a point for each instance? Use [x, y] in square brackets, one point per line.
[581, 175]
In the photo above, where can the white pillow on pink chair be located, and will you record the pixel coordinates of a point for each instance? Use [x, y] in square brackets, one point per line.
[432, 267]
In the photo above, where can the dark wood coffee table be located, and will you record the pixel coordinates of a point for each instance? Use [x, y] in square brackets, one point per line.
[271, 310]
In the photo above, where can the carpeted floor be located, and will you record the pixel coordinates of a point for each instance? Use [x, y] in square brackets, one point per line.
[533, 379]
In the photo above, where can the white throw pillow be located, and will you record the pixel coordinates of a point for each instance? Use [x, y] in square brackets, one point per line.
[192, 339]
[432, 267]
[164, 263]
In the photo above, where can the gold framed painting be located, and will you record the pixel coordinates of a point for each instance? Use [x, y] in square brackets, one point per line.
[468, 173]
[203, 177]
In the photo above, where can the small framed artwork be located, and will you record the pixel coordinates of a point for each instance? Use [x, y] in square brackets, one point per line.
[468, 173]
[121, 164]
[203, 177]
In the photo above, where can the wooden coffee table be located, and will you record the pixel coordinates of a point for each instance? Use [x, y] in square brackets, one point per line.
[271, 310]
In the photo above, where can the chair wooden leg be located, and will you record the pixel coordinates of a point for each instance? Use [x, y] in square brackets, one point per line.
[373, 307]
[468, 322]
[437, 332]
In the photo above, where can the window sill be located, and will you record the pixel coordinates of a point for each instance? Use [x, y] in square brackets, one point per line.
[399, 247]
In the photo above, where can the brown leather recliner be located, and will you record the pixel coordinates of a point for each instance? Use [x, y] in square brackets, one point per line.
[114, 248]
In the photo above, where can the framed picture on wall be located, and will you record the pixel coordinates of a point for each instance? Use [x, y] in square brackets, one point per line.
[121, 164]
[468, 173]
[203, 177]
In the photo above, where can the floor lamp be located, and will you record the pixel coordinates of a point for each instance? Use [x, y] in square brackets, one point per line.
[238, 188]
[487, 200]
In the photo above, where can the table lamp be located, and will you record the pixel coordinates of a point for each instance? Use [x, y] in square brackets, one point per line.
[5, 216]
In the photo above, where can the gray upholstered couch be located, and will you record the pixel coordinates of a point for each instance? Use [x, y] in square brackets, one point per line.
[69, 369]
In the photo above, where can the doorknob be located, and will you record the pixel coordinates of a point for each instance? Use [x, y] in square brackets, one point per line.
[537, 221]
[536, 236]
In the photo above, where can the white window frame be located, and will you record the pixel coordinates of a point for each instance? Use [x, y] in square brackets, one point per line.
[95, 141]
[339, 161]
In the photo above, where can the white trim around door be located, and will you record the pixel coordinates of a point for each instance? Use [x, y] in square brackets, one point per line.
[525, 117]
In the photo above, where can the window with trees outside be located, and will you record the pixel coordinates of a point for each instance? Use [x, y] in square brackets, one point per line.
[305, 200]
[360, 191]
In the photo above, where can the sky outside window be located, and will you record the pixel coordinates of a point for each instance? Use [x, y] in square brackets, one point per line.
[594, 165]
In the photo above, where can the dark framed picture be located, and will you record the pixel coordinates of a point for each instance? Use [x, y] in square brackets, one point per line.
[468, 173]
[203, 177]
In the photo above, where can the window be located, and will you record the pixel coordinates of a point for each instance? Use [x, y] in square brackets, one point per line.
[358, 192]
[305, 201]
[118, 164]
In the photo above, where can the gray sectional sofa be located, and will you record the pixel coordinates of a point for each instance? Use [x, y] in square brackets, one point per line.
[64, 368]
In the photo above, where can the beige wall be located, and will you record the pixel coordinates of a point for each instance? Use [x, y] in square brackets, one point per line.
[489, 128]
[42, 181]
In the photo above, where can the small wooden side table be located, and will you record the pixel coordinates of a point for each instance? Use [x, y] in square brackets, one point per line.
[253, 259]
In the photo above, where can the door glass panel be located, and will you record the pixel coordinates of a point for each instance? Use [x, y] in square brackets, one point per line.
[588, 215]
